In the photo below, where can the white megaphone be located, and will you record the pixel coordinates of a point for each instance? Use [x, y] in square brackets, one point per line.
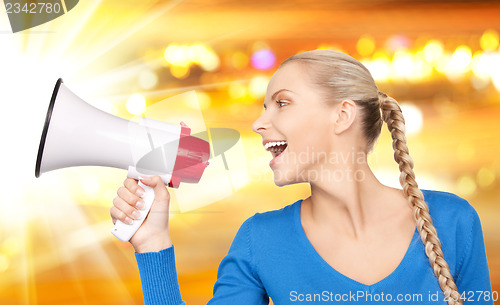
[78, 134]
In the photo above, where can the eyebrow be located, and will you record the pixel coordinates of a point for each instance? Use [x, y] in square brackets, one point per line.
[276, 93]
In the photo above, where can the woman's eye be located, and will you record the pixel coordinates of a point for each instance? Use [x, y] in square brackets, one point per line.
[280, 102]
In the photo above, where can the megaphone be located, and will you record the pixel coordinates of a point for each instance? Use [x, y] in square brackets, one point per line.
[76, 133]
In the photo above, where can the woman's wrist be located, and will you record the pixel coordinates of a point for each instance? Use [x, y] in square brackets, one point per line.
[153, 244]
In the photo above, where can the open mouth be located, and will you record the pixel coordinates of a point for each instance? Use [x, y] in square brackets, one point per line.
[276, 148]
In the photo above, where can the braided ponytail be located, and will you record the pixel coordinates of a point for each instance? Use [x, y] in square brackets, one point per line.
[393, 116]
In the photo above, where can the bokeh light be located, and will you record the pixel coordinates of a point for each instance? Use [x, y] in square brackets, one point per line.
[460, 62]
[365, 45]
[258, 86]
[413, 118]
[485, 177]
[380, 67]
[182, 56]
[263, 59]
[466, 185]
[421, 68]
[489, 40]
[180, 72]
[397, 43]
[480, 65]
[209, 61]
[403, 64]
[177, 55]
[147, 79]
[136, 104]
[433, 50]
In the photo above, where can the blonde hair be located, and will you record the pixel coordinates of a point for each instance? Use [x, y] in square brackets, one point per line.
[342, 77]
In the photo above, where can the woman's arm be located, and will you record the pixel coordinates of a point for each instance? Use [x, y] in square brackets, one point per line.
[237, 281]
[159, 280]
[152, 243]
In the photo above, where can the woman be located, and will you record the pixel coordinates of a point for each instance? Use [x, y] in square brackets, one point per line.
[354, 240]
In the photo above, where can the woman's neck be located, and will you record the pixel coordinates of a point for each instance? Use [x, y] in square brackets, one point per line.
[350, 199]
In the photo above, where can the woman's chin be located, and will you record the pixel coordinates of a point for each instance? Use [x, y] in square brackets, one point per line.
[282, 178]
[280, 183]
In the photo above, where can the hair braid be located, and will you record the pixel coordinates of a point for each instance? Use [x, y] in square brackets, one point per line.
[393, 116]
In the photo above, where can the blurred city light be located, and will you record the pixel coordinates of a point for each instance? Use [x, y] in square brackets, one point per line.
[258, 86]
[147, 79]
[398, 42]
[489, 40]
[136, 104]
[263, 59]
[433, 50]
[402, 64]
[180, 72]
[365, 45]
[466, 185]
[177, 55]
[182, 56]
[485, 177]
[460, 61]
[413, 118]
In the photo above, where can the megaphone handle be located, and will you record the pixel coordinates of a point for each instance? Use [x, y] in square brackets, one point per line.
[123, 231]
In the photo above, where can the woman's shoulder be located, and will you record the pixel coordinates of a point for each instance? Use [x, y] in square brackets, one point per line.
[441, 202]
[457, 224]
[450, 211]
[274, 221]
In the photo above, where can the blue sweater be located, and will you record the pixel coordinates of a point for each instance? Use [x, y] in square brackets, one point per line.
[271, 256]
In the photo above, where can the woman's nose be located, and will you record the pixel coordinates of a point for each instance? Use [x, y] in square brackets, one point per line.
[260, 124]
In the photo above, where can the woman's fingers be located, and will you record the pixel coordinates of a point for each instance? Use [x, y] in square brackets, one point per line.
[127, 204]
[161, 192]
[123, 211]
[133, 187]
[119, 215]
[130, 198]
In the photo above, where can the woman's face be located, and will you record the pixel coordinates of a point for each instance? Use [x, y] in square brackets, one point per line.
[296, 112]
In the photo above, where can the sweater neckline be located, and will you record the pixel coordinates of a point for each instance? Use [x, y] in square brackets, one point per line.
[315, 255]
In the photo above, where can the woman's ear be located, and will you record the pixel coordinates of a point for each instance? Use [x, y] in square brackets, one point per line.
[344, 116]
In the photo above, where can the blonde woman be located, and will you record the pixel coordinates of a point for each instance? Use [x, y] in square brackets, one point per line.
[354, 240]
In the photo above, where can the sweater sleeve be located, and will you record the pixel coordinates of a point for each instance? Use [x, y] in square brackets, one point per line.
[237, 279]
[473, 279]
[159, 277]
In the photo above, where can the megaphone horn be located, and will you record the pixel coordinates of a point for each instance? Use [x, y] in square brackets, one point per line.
[76, 133]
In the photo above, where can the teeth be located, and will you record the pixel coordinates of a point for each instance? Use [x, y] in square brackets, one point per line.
[273, 144]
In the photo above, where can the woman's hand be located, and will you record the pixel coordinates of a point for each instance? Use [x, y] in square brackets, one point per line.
[153, 235]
